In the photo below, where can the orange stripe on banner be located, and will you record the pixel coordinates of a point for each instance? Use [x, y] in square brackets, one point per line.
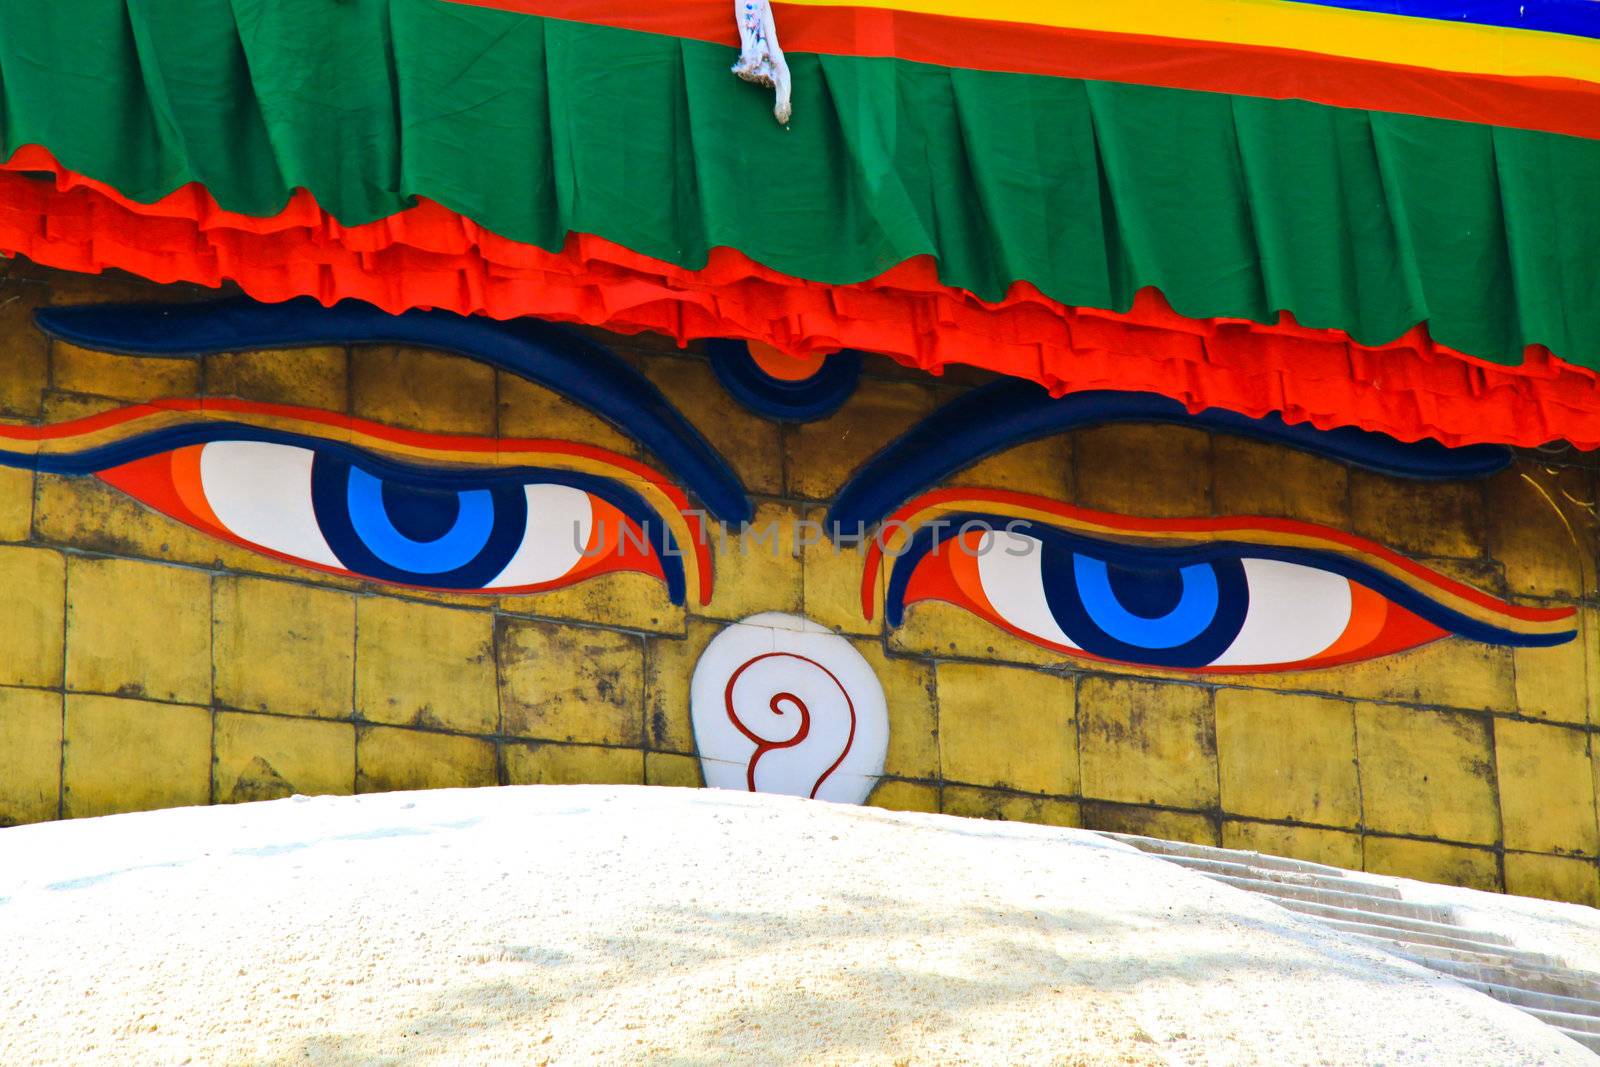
[430, 257]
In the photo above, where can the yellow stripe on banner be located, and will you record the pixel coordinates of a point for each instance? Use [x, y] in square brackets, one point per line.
[1399, 39]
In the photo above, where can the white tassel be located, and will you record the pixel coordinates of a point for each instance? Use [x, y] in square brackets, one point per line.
[760, 59]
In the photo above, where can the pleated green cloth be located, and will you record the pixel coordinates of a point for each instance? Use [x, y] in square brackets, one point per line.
[535, 128]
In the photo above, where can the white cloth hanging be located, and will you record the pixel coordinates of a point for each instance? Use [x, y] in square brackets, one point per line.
[760, 59]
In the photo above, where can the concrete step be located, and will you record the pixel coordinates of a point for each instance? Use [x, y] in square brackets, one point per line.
[1438, 925]
[1332, 898]
[1561, 1020]
[1527, 998]
[1588, 1041]
[1157, 846]
[1315, 881]
[1391, 939]
[1375, 912]
[1560, 982]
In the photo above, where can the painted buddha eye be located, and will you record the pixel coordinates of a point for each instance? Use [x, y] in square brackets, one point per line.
[1144, 606]
[1190, 596]
[335, 510]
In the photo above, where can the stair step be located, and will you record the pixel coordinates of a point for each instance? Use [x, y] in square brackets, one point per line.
[1527, 998]
[1588, 1041]
[1331, 897]
[1509, 956]
[1157, 846]
[1561, 982]
[1376, 912]
[1315, 881]
[1439, 925]
[1564, 1021]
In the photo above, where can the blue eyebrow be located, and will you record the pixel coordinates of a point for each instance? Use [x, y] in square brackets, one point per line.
[543, 353]
[1004, 414]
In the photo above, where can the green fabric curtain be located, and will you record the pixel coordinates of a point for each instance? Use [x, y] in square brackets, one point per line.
[533, 127]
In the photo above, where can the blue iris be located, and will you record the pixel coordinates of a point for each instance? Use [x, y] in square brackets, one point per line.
[426, 545]
[453, 529]
[417, 531]
[1149, 609]
[1140, 605]
[1160, 607]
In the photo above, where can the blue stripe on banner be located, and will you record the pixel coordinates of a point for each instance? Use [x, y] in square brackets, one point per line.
[1576, 18]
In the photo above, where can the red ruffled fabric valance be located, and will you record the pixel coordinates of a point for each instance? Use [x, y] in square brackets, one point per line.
[430, 257]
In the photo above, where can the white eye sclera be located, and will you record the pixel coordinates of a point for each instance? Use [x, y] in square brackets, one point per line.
[262, 493]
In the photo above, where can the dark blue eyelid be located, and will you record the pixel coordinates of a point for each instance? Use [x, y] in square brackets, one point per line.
[541, 352]
[1004, 414]
[922, 542]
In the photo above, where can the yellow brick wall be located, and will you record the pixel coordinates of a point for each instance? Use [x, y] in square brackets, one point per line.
[143, 664]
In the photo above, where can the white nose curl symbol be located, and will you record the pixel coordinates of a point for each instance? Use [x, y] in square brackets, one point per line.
[782, 705]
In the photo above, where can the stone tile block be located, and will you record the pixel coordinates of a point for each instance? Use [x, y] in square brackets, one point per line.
[1256, 478]
[1427, 773]
[420, 389]
[905, 796]
[1336, 848]
[1553, 878]
[33, 595]
[135, 378]
[1428, 518]
[24, 352]
[758, 569]
[569, 683]
[389, 758]
[831, 578]
[1454, 673]
[669, 665]
[1014, 729]
[908, 689]
[139, 630]
[1043, 468]
[1288, 757]
[1534, 534]
[134, 755]
[16, 504]
[1553, 683]
[1147, 743]
[822, 455]
[1432, 861]
[284, 648]
[1547, 798]
[1145, 470]
[536, 764]
[305, 377]
[422, 665]
[934, 628]
[972, 803]
[268, 757]
[752, 444]
[527, 410]
[1192, 827]
[664, 768]
[626, 600]
[30, 755]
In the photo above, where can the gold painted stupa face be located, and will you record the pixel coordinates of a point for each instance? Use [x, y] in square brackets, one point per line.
[305, 562]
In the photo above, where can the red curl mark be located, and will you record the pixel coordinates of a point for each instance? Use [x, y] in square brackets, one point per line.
[763, 746]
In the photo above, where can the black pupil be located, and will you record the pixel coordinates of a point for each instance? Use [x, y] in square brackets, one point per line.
[1147, 593]
[423, 515]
